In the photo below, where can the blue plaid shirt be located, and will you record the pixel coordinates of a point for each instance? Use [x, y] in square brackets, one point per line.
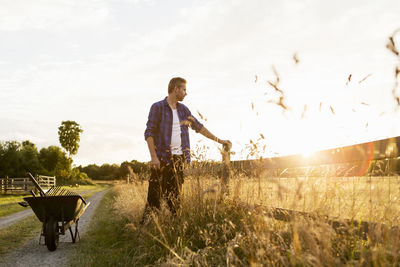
[159, 125]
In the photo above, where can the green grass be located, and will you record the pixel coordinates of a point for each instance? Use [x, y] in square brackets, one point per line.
[9, 204]
[11, 199]
[15, 235]
[11, 208]
[88, 189]
[105, 243]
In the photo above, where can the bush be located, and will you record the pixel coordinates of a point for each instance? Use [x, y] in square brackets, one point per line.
[76, 177]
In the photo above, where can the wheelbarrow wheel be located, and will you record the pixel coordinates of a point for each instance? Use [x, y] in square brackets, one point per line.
[51, 235]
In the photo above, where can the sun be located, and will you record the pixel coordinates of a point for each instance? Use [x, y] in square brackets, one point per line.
[308, 154]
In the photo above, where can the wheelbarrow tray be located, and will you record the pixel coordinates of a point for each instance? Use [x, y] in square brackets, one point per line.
[60, 208]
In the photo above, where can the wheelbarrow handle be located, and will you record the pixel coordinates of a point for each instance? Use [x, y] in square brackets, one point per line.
[41, 192]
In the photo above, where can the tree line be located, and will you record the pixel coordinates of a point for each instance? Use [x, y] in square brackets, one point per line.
[106, 171]
[18, 158]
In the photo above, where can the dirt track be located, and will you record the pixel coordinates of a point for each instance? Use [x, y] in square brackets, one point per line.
[32, 254]
[10, 219]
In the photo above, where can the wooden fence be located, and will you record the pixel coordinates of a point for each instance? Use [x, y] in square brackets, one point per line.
[365, 157]
[23, 185]
[379, 157]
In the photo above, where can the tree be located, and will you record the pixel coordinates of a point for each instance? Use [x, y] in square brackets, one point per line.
[109, 171]
[10, 159]
[54, 161]
[92, 170]
[29, 157]
[69, 136]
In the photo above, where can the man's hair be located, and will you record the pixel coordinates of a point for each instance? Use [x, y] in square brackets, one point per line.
[177, 81]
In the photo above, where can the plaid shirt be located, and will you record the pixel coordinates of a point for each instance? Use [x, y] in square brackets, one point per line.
[159, 125]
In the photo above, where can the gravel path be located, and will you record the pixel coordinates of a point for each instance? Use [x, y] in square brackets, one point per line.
[12, 218]
[15, 217]
[32, 254]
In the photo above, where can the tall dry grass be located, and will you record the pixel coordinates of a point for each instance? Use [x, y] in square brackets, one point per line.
[212, 230]
[361, 198]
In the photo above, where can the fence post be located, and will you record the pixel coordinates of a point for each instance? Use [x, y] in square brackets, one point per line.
[6, 185]
[226, 169]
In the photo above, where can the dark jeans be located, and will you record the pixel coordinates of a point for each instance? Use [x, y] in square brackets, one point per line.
[166, 183]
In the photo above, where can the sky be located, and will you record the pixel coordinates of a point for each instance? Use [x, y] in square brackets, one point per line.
[102, 63]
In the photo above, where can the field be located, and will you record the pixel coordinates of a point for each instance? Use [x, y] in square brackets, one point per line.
[360, 198]
[213, 230]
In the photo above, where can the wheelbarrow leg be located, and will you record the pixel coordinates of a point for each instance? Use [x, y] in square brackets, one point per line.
[73, 236]
[76, 230]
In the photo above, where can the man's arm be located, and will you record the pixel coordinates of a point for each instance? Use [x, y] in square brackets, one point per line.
[152, 126]
[198, 127]
[209, 135]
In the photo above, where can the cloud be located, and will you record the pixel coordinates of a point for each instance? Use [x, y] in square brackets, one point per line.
[20, 136]
[51, 14]
[137, 2]
[103, 143]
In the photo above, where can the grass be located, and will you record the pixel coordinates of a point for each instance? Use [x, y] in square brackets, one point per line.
[104, 242]
[213, 231]
[13, 236]
[361, 198]
[9, 204]
[89, 190]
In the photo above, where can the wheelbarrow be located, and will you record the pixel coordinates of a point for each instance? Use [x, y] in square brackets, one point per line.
[58, 209]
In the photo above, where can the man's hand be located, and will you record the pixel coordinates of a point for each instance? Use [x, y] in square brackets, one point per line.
[225, 143]
[155, 163]
[187, 122]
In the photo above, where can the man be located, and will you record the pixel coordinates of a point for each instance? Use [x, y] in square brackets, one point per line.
[167, 137]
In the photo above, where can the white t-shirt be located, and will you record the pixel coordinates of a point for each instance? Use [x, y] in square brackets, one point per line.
[176, 142]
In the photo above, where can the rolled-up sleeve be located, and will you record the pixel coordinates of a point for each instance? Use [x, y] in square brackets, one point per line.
[152, 121]
[196, 125]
